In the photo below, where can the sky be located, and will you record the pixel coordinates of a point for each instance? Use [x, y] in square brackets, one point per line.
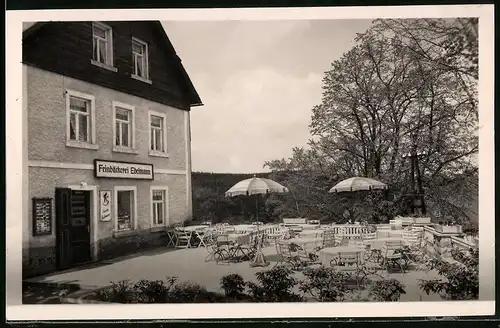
[258, 81]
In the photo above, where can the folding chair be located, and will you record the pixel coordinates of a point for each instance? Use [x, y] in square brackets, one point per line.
[328, 238]
[216, 251]
[350, 263]
[393, 255]
[183, 238]
[201, 235]
[171, 237]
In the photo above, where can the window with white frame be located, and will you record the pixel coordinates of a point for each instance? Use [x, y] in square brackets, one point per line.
[80, 109]
[125, 208]
[140, 58]
[159, 206]
[124, 125]
[158, 133]
[102, 43]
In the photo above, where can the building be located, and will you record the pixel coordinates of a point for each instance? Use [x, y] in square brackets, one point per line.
[107, 109]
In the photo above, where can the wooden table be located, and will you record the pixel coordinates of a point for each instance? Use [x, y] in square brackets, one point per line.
[326, 255]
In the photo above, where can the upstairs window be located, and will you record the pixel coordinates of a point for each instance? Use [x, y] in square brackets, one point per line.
[157, 134]
[140, 60]
[102, 44]
[79, 119]
[124, 127]
[80, 112]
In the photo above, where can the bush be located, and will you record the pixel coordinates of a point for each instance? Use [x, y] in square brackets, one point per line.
[148, 291]
[122, 291]
[274, 285]
[152, 291]
[325, 284]
[386, 290]
[191, 292]
[462, 277]
[233, 285]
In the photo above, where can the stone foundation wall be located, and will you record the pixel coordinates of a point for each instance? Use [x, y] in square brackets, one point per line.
[113, 247]
[39, 260]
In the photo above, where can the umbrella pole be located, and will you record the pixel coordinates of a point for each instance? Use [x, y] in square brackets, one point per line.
[259, 260]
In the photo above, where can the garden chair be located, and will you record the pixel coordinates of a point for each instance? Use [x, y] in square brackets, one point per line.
[238, 249]
[367, 237]
[248, 246]
[350, 264]
[278, 233]
[170, 233]
[328, 238]
[182, 238]
[218, 253]
[392, 252]
[339, 239]
[413, 249]
[202, 235]
[291, 254]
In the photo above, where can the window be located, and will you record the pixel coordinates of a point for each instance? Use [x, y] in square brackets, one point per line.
[102, 45]
[140, 59]
[123, 127]
[157, 135]
[80, 122]
[159, 207]
[125, 208]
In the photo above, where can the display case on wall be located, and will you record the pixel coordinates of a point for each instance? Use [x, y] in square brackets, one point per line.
[42, 216]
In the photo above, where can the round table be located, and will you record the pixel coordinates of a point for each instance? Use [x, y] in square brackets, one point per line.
[326, 255]
[193, 228]
[308, 244]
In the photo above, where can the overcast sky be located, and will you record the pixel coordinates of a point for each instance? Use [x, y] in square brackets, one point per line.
[258, 81]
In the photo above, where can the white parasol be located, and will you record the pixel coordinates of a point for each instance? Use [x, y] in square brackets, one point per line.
[358, 184]
[256, 186]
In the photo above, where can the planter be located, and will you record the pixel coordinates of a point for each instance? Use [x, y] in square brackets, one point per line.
[448, 229]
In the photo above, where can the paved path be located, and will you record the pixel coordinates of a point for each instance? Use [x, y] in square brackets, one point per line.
[190, 265]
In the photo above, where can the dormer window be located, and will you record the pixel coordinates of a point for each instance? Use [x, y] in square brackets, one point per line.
[140, 60]
[102, 45]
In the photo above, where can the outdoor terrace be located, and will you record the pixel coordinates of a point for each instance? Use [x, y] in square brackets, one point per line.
[198, 262]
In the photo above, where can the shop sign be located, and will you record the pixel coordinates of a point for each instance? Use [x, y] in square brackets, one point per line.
[123, 170]
[105, 198]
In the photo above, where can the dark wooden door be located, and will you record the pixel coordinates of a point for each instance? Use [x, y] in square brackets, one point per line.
[63, 228]
[80, 226]
[72, 227]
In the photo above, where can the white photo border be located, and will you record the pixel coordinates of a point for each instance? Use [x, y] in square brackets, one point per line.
[16, 171]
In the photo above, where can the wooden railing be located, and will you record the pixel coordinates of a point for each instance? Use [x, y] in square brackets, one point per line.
[350, 231]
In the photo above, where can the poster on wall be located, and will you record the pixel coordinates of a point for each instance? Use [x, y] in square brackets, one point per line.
[105, 197]
[42, 216]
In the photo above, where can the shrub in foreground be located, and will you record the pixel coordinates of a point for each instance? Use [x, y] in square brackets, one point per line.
[461, 277]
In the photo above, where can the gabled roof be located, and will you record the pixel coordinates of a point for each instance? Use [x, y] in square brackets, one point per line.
[194, 98]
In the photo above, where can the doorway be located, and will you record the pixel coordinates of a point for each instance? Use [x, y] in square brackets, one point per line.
[73, 216]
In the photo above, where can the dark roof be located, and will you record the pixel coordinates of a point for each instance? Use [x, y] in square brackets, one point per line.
[194, 98]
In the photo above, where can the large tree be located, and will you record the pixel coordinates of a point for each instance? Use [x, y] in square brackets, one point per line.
[406, 87]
